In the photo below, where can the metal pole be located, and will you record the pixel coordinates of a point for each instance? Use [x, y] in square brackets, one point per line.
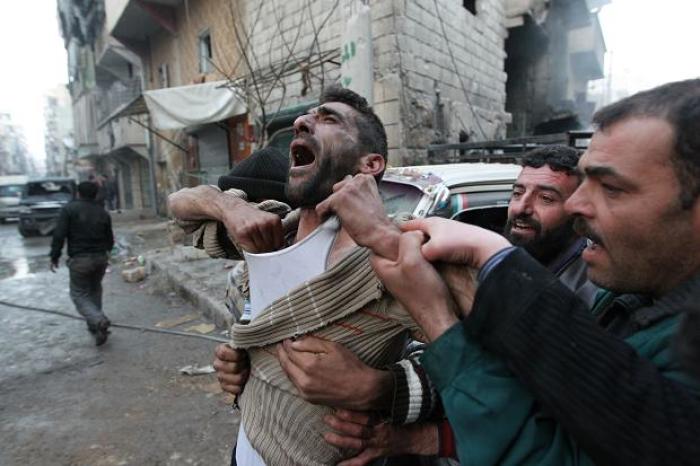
[152, 169]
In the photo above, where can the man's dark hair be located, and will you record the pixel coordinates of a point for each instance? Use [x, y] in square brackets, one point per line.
[370, 128]
[87, 190]
[558, 158]
[677, 103]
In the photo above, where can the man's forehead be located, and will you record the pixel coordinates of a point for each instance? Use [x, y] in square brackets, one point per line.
[544, 175]
[634, 144]
[338, 108]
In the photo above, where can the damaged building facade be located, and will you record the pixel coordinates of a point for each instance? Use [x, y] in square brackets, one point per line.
[208, 81]
[58, 133]
[554, 48]
[103, 75]
[14, 157]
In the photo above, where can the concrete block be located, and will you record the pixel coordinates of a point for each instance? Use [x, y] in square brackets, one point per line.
[134, 275]
[393, 135]
[388, 112]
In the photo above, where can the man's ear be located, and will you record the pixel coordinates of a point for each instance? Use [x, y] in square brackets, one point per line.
[372, 164]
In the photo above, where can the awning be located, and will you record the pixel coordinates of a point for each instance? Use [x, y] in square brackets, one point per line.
[196, 104]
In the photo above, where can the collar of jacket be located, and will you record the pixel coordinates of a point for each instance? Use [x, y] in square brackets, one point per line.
[628, 313]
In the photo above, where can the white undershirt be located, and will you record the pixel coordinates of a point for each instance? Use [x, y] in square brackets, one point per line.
[272, 275]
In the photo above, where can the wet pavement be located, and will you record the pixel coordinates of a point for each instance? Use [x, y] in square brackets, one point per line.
[64, 401]
[19, 256]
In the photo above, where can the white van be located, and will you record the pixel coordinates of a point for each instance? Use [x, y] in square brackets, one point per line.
[10, 193]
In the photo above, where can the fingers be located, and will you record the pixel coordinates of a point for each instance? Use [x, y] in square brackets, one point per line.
[348, 186]
[325, 208]
[349, 429]
[410, 244]
[268, 235]
[300, 358]
[311, 344]
[228, 354]
[352, 429]
[232, 368]
[232, 383]
[256, 231]
[338, 186]
[421, 224]
[428, 226]
[288, 365]
[357, 417]
[344, 442]
[365, 457]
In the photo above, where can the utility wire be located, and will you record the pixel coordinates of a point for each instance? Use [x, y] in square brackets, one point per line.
[117, 325]
[459, 75]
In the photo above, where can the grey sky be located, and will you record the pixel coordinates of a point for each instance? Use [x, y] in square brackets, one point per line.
[34, 61]
[651, 42]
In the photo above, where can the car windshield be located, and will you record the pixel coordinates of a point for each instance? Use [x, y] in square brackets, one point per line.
[58, 189]
[13, 190]
[399, 197]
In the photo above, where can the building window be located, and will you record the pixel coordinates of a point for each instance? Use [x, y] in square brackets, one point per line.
[470, 5]
[163, 79]
[205, 52]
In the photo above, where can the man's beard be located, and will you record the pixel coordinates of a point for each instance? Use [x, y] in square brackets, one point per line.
[310, 192]
[545, 246]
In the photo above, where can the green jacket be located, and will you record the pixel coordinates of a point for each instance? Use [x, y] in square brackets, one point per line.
[530, 370]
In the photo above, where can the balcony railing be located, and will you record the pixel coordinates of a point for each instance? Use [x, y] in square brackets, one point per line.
[119, 94]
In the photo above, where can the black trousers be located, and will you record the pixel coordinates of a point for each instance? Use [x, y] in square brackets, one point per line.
[86, 273]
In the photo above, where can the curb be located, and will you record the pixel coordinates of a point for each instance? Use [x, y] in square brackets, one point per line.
[185, 285]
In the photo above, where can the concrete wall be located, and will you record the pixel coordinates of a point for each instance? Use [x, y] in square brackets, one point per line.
[180, 51]
[549, 65]
[421, 51]
[411, 65]
[419, 89]
[181, 54]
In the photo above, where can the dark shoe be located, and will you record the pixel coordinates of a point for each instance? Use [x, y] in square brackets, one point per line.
[101, 332]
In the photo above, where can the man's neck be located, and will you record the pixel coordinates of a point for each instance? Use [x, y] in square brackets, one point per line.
[309, 220]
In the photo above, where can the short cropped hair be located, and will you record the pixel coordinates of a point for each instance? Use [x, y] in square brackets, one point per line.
[371, 130]
[87, 190]
[678, 103]
[558, 158]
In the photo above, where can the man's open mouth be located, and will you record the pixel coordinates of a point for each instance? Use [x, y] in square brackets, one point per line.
[521, 225]
[302, 154]
[582, 229]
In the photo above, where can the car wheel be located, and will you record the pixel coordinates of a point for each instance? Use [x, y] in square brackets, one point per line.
[26, 233]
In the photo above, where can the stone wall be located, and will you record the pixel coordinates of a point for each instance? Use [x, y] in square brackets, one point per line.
[434, 105]
[412, 65]
[181, 51]
[419, 86]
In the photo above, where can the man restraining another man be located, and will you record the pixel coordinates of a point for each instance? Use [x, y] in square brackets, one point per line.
[433, 308]
[547, 179]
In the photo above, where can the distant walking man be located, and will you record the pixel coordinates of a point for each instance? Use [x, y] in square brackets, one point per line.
[88, 229]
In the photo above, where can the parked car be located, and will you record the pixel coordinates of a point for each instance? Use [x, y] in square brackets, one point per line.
[42, 200]
[10, 193]
[476, 193]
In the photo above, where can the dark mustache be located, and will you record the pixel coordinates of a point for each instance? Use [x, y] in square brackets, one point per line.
[582, 229]
[309, 141]
[527, 220]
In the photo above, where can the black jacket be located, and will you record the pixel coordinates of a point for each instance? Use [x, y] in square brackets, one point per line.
[86, 225]
[616, 405]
